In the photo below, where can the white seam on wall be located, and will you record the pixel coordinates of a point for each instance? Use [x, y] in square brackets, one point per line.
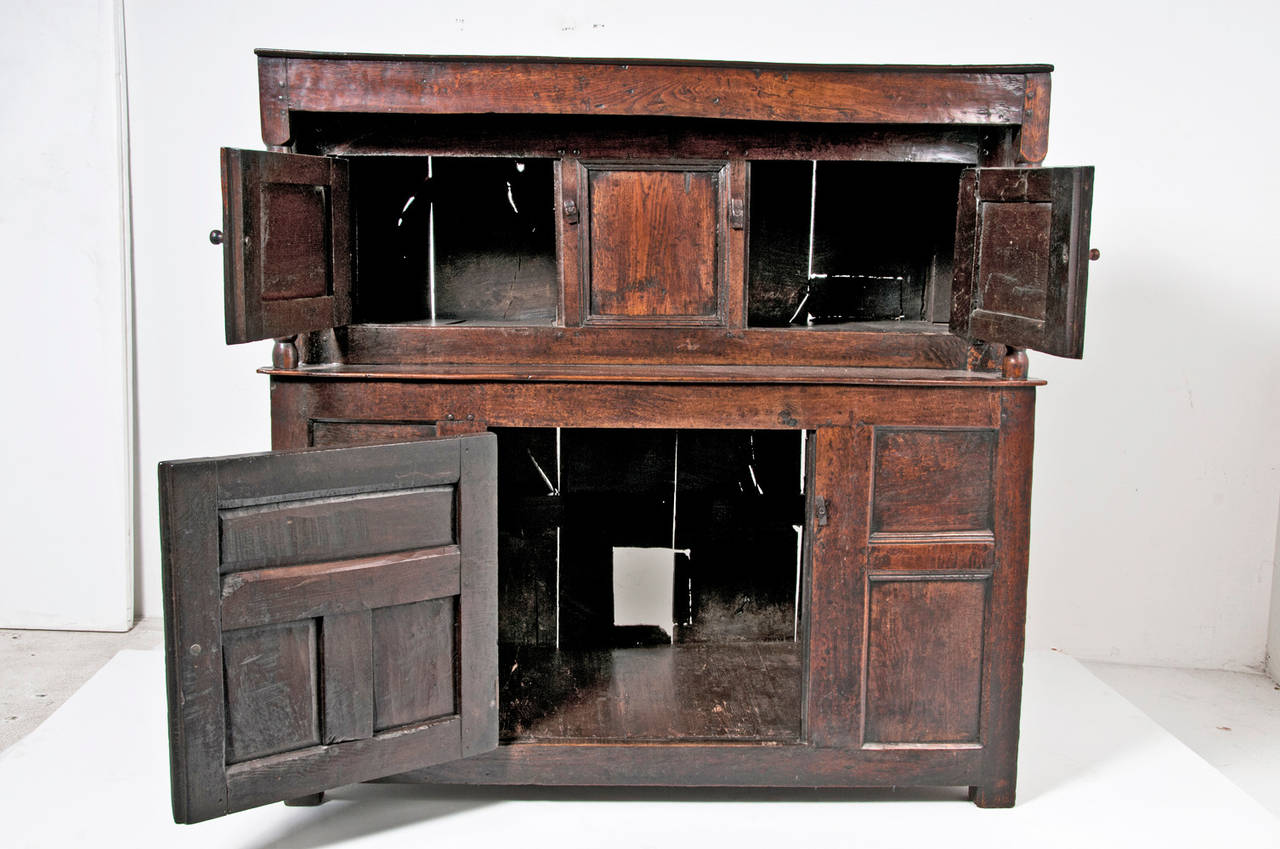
[128, 350]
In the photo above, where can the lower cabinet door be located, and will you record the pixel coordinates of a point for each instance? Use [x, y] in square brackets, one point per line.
[330, 617]
[917, 595]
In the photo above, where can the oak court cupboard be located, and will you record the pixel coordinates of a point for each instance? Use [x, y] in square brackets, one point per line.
[634, 422]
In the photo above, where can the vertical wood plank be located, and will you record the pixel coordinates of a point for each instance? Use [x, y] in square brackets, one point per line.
[478, 605]
[346, 642]
[733, 290]
[1033, 135]
[273, 99]
[569, 179]
[1006, 623]
[838, 585]
[193, 642]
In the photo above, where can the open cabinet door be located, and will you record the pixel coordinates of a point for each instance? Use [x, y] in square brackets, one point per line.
[1022, 257]
[330, 617]
[286, 244]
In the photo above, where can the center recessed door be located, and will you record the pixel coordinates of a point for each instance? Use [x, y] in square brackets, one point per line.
[655, 245]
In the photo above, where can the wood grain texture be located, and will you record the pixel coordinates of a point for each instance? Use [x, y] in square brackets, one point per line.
[346, 651]
[1006, 623]
[628, 87]
[924, 659]
[319, 768]
[338, 434]
[632, 138]
[739, 691]
[287, 258]
[1033, 133]
[867, 345]
[654, 243]
[282, 534]
[337, 587]
[1022, 257]
[1013, 269]
[273, 99]
[273, 690]
[478, 604]
[629, 373]
[414, 662]
[193, 642]
[765, 407]
[704, 765]
[306, 657]
[932, 480]
[836, 586]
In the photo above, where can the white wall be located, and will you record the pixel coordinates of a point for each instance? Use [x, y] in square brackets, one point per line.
[1273, 632]
[1157, 470]
[65, 439]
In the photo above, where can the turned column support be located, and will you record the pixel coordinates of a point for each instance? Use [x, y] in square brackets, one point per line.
[1014, 364]
[285, 353]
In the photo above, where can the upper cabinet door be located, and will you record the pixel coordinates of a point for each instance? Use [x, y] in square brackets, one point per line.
[659, 243]
[330, 617]
[1022, 257]
[287, 240]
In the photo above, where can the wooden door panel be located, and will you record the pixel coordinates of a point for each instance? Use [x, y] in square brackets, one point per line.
[932, 480]
[1022, 257]
[286, 245]
[656, 243]
[308, 649]
[924, 659]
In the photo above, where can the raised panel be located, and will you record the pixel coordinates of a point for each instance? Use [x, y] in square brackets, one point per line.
[273, 688]
[350, 526]
[295, 248]
[286, 245]
[931, 480]
[282, 676]
[924, 659]
[1013, 268]
[655, 245]
[414, 671]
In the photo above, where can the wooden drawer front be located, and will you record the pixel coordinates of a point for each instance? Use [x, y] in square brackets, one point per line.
[656, 247]
[923, 674]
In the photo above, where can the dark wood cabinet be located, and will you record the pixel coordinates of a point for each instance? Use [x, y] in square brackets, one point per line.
[635, 423]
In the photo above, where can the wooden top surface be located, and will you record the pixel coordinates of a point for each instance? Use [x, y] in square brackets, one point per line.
[683, 374]
[1000, 95]
[1030, 68]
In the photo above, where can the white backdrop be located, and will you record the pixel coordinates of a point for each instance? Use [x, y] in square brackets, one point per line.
[65, 440]
[1157, 474]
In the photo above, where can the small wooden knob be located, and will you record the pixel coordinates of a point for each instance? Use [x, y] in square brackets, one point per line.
[215, 237]
[1094, 253]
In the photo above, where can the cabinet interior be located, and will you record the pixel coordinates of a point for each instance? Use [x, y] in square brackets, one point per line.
[834, 243]
[649, 584]
[458, 240]
[454, 240]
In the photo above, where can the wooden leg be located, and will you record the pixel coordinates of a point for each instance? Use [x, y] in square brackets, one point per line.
[997, 795]
[306, 801]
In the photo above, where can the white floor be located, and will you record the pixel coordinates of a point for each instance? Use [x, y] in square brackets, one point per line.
[1096, 771]
[1231, 719]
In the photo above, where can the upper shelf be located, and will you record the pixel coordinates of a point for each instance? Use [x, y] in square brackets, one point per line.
[1015, 96]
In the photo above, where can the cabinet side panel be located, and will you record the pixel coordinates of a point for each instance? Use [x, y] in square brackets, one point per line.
[1005, 633]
